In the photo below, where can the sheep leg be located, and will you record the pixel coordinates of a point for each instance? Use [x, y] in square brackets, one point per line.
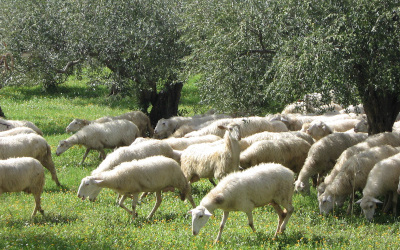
[222, 225]
[250, 219]
[394, 203]
[283, 216]
[135, 198]
[84, 156]
[212, 182]
[37, 206]
[388, 202]
[350, 207]
[158, 202]
[102, 154]
[121, 203]
[288, 212]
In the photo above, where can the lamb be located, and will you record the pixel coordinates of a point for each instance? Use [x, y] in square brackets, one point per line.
[322, 157]
[152, 174]
[247, 141]
[353, 177]
[290, 152]
[141, 120]
[183, 143]
[382, 179]
[23, 174]
[9, 124]
[243, 191]
[248, 126]
[209, 160]
[99, 136]
[386, 138]
[17, 131]
[320, 129]
[29, 145]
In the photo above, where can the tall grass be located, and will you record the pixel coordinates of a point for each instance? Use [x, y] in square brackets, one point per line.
[70, 223]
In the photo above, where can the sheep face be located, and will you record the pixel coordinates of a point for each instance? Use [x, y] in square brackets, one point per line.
[319, 130]
[325, 203]
[234, 131]
[361, 126]
[62, 147]
[89, 188]
[200, 216]
[301, 187]
[163, 129]
[75, 125]
[368, 205]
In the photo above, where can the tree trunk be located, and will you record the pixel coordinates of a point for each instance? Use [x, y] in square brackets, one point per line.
[165, 103]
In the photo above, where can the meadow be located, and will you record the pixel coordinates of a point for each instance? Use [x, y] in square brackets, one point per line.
[70, 223]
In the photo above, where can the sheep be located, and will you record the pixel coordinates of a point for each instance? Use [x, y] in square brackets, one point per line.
[322, 157]
[248, 126]
[382, 179]
[23, 174]
[152, 174]
[17, 131]
[353, 177]
[99, 136]
[9, 124]
[141, 120]
[179, 126]
[243, 191]
[362, 126]
[29, 145]
[247, 141]
[320, 129]
[183, 143]
[358, 109]
[213, 161]
[388, 138]
[290, 152]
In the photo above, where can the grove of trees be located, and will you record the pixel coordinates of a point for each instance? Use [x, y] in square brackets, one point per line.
[253, 56]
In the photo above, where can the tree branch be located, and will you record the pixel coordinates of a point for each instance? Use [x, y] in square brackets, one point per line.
[258, 51]
[69, 64]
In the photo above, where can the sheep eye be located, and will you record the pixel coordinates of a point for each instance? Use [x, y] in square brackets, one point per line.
[201, 216]
[371, 206]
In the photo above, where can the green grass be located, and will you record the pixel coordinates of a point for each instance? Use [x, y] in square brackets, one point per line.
[70, 223]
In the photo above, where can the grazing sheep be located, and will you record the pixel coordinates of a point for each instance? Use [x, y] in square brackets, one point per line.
[99, 136]
[247, 141]
[243, 191]
[353, 177]
[23, 174]
[248, 126]
[322, 157]
[28, 145]
[320, 129]
[183, 143]
[17, 131]
[152, 174]
[141, 120]
[209, 160]
[386, 138]
[9, 124]
[290, 152]
[382, 178]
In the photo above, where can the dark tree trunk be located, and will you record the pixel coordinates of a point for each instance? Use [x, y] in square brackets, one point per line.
[165, 103]
[1, 113]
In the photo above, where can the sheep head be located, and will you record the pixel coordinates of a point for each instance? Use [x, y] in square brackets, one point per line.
[76, 125]
[301, 187]
[368, 205]
[89, 188]
[232, 130]
[62, 147]
[164, 128]
[200, 216]
[325, 203]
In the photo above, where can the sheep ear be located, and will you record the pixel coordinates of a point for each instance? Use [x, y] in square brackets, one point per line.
[359, 201]
[97, 181]
[222, 127]
[376, 200]
[206, 212]
[329, 198]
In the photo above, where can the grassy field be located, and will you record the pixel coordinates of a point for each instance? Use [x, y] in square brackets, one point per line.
[70, 223]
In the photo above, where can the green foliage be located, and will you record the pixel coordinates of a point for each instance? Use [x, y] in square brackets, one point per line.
[70, 223]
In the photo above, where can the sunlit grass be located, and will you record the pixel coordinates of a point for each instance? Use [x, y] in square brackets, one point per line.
[70, 223]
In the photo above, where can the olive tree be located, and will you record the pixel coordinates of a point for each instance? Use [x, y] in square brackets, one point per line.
[137, 40]
[252, 53]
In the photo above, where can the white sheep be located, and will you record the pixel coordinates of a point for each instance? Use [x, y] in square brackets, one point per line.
[23, 174]
[208, 160]
[17, 131]
[98, 136]
[353, 177]
[141, 120]
[183, 143]
[386, 138]
[358, 109]
[165, 127]
[152, 174]
[243, 191]
[290, 152]
[322, 157]
[28, 145]
[248, 126]
[9, 124]
[319, 129]
[247, 141]
[382, 179]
